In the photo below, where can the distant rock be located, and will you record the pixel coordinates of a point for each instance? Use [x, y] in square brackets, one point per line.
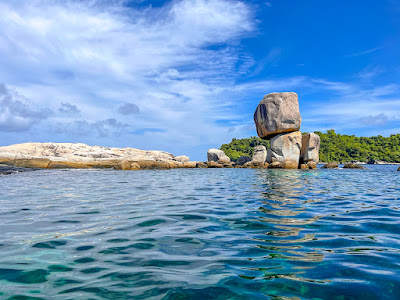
[310, 145]
[201, 165]
[256, 165]
[353, 166]
[68, 155]
[260, 154]
[243, 159]
[214, 164]
[182, 158]
[217, 155]
[277, 113]
[331, 165]
[312, 164]
[285, 147]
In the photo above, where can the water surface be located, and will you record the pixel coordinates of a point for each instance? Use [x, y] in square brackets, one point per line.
[200, 234]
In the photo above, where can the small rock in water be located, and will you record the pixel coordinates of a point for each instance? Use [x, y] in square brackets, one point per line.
[304, 167]
[353, 166]
[398, 169]
[331, 165]
[312, 164]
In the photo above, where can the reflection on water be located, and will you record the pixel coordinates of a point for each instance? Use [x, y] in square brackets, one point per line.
[201, 234]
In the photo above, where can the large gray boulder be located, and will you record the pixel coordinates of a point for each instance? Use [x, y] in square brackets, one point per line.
[218, 156]
[260, 154]
[310, 147]
[285, 148]
[277, 113]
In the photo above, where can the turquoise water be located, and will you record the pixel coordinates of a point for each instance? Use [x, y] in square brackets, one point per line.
[200, 234]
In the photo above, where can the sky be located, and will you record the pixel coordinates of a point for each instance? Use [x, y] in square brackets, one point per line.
[185, 76]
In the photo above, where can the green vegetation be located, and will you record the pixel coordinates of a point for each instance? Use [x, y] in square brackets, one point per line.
[243, 147]
[334, 147]
[344, 148]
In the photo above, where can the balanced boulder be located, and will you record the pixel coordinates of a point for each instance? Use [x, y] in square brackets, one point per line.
[285, 147]
[277, 113]
[218, 156]
[260, 154]
[310, 148]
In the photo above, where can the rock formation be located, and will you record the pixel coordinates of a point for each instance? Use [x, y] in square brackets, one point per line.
[260, 154]
[286, 147]
[68, 155]
[310, 144]
[278, 119]
[217, 156]
[277, 113]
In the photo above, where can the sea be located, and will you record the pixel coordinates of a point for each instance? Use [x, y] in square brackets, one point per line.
[201, 234]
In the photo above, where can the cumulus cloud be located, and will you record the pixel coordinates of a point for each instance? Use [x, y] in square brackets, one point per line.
[380, 119]
[177, 61]
[17, 113]
[68, 109]
[101, 128]
[128, 109]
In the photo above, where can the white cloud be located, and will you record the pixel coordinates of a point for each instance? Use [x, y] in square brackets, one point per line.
[174, 62]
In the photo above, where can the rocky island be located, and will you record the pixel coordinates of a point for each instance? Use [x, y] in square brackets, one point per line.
[277, 119]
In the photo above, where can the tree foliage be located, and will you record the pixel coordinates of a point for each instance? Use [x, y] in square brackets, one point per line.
[334, 147]
[242, 147]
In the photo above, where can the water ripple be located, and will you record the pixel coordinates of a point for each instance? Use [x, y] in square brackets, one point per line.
[200, 234]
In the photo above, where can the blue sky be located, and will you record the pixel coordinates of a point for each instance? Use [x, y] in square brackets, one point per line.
[185, 76]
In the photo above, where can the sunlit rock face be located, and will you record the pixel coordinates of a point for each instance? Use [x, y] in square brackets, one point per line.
[217, 156]
[310, 147]
[285, 147]
[277, 113]
[260, 154]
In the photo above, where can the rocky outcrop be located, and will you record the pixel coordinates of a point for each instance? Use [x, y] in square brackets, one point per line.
[310, 148]
[67, 155]
[286, 148]
[331, 165]
[182, 158]
[217, 156]
[353, 166]
[259, 154]
[243, 159]
[277, 113]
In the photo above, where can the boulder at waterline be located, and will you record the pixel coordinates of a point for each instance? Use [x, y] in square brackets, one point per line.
[286, 147]
[304, 167]
[310, 145]
[277, 113]
[260, 154]
[312, 164]
[217, 155]
[398, 169]
[353, 166]
[331, 165]
[243, 159]
[256, 165]
[276, 165]
[201, 165]
[214, 164]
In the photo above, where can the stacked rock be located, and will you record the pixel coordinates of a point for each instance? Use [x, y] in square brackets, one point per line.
[278, 120]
